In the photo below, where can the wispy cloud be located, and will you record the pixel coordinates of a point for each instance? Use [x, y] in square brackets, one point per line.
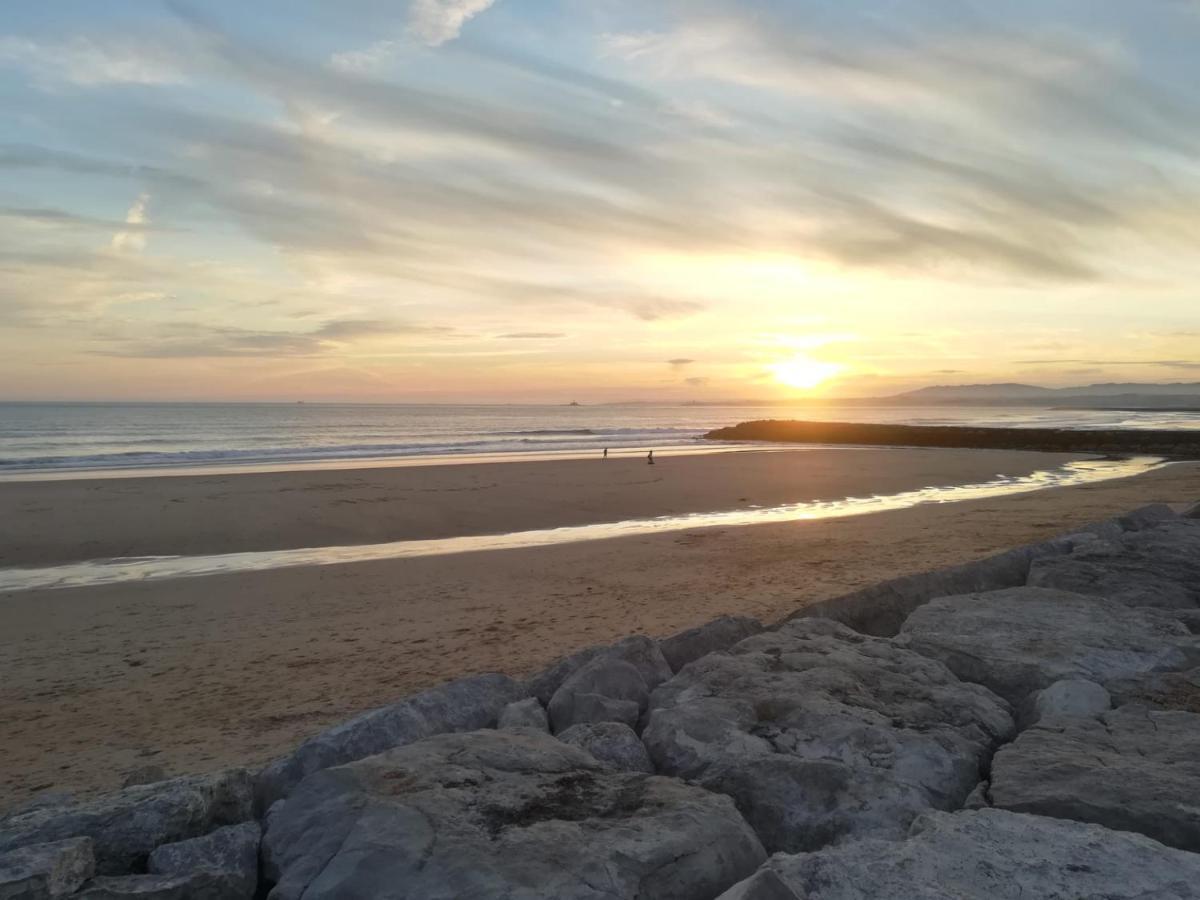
[133, 240]
[88, 62]
[437, 21]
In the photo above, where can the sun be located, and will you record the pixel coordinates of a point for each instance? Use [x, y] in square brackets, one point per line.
[804, 372]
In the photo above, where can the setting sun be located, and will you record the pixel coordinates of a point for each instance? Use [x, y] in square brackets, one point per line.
[803, 372]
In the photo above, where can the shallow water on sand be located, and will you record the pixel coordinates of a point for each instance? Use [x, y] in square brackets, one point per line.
[127, 569]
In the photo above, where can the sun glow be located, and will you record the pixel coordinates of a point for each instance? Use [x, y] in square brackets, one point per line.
[804, 372]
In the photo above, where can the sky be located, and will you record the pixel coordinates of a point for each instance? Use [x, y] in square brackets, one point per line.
[552, 200]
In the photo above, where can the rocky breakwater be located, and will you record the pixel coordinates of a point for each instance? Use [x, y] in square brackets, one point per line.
[1025, 727]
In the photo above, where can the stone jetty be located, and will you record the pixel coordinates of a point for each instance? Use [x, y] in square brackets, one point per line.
[1026, 726]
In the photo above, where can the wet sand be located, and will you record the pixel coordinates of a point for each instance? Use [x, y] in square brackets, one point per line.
[233, 669]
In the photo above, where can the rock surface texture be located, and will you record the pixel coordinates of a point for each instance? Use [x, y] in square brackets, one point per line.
[1133, 769]
[46, 871]
[512, 815]
[1021, 640]
[612, 744]
[983, 855]
[639, 651]
[527, 713]
[1158, 565]
[719, 634]
[222, 865]
[126, 826]
[462, 705]
[822, 734]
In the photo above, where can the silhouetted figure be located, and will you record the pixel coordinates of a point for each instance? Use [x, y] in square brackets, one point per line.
[606, 453]
[650, 458]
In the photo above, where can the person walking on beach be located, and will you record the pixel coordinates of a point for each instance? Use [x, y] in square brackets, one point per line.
[606, 453]
[650, 458]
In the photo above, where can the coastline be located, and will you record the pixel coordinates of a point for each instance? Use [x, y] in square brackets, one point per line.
[199, 673]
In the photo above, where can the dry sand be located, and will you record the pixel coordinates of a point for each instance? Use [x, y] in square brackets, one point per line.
[233, 669]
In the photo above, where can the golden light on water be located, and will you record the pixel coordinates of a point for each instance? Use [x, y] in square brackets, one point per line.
[801, 371]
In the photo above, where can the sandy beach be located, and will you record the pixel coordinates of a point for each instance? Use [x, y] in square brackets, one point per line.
[197, 674]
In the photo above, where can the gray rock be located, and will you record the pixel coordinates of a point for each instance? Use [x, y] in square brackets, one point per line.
[127, 825]
[821, 734]
[1021, 640]
[1156, 566]
[1163, 690]
[502, 814]
[615, 745]
[222, 865]
[1147, 517]
[983, 855]
[143, 887]
[639, 651]
[462, 705]
[584, 697]
[719, 634]
[1191, 512]
[1132, 769]
[1069, 697]
[978, 798]
[527, 713]
[46, 871]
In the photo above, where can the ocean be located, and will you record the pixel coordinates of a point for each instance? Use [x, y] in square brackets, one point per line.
[66, 437]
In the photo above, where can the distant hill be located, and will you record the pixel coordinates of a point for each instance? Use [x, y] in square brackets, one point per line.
[1129, 395]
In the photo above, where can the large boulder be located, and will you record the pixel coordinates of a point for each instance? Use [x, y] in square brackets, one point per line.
[1069, 697]
[222, 865]
[638, 650]
[719, 634]
[462, 705]
[1133, 769]
[604, 690]
[527, 713]
[46, 871]
[1164, 690]
[1155, 566]
[127, 825]
[145, 887]
[1021, 640]
[496, 814]
[614, 745]
[983, 855]
[822, 734]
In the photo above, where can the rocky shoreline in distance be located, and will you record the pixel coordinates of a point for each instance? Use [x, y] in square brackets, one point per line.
[1171, 444]
[1024, 726]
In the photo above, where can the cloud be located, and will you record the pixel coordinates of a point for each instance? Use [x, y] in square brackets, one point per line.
[437, 21]
[1164, 363]
[696, 381]
[87, 62]
[133, 240]
[678, 364]
[532, 335]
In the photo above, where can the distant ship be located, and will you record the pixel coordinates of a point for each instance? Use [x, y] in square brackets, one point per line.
[574, 403]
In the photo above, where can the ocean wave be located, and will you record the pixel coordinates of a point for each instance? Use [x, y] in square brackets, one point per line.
[547, 440]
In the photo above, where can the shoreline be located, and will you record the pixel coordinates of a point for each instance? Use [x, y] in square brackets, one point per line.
[58, 522]
[197, 674]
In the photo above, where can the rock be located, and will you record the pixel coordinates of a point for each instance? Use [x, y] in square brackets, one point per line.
[144, 775]
[1132, 769]
[462, 705]
[1021, 640]
[978, 798]
[1069, 697]
[719, 634]
[615, 745]
[127, 825]
[222, 865]
[882, 608]
[1147, 517]
[1191, 512]
[46, 871]
[639, 651]
[1164, 690]
[143, 887]
[527, 713]
[584, 697]
[821, 734]
[502, 814]
[983, 855]
[1155, 566]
